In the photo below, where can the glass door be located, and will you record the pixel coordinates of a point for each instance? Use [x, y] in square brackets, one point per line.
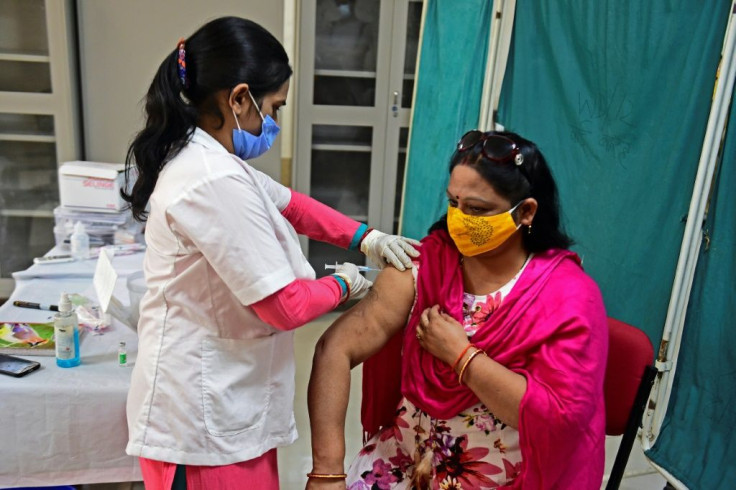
[354, 101]
[38, 125]
[343, 73]
[28, 161]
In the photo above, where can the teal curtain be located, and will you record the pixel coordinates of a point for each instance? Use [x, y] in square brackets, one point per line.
[617, 94]
[448, 92]
[697, 443]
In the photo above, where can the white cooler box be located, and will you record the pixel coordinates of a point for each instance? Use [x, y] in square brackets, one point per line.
[92, 186]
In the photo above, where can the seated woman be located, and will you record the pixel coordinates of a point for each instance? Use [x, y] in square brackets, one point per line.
[501, 363]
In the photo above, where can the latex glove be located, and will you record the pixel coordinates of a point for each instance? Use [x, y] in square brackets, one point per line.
[393, 249]
[358, 286]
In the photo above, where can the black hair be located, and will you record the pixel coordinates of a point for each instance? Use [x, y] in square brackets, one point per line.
[220, 55]
[532, 178]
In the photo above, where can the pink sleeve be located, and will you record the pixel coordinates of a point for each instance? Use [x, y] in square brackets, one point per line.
[299, 302]
[322, 223]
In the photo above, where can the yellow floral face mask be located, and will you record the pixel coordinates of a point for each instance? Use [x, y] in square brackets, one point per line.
[474, 235]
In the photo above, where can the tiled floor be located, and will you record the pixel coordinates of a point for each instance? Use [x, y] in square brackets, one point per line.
[295, 461]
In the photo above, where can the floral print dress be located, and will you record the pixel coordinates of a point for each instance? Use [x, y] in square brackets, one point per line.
[472, 450]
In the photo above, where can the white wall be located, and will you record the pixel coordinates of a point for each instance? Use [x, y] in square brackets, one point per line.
[122, 43]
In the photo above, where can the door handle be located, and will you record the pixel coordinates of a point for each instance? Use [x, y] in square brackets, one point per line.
[395, 105]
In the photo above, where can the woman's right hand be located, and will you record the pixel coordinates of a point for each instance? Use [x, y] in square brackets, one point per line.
[358, 285]
[440, 334]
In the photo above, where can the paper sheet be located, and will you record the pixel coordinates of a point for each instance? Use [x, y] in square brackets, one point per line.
[104, 279]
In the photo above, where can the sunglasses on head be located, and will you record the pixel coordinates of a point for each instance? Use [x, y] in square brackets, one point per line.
[494, 146]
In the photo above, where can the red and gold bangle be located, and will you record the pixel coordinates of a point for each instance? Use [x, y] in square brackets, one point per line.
[457, 361]
[467, 362]
[330, 476]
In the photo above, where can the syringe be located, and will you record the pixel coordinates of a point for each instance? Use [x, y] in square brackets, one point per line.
[361, 268]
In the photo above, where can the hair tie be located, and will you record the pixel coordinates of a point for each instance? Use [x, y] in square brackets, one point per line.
[182, 62]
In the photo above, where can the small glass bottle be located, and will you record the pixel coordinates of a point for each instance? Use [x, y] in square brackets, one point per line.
[66, 334]
[122, 354]
[79, 242]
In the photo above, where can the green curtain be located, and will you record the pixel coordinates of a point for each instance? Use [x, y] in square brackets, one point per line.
[448, 92]
[697, 443]
[617, 94]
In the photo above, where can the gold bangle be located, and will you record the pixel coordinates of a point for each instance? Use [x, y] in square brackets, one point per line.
[335, 476]
[467, 361]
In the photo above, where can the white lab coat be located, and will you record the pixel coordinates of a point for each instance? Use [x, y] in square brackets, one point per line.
[212, 383]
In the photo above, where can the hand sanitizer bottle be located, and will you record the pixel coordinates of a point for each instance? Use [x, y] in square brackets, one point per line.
[80, 242]
[66, 334]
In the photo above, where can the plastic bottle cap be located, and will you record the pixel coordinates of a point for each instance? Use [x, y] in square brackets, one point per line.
[65, 305]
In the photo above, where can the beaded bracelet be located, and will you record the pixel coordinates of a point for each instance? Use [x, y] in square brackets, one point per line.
[467, 361]
[333, 476]
[457, 361]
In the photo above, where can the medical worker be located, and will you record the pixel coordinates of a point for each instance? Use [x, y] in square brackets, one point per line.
[211, 395]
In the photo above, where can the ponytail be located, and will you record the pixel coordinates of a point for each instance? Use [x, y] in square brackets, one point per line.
[170, 121]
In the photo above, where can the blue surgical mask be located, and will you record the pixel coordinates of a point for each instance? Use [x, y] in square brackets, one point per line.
[248, 146]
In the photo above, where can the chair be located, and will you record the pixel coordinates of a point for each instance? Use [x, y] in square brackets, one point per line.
[629, 377]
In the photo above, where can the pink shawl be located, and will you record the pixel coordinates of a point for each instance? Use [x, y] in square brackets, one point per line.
[551, 329]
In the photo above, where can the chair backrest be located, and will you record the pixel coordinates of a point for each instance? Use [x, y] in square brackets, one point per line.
[630, 352]
[629, 376]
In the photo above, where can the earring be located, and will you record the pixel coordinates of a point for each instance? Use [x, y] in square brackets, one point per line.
[529, 230]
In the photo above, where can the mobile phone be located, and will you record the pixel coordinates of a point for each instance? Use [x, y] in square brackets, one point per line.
[15, 366]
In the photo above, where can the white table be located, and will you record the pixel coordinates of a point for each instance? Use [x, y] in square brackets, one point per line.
[68, 426]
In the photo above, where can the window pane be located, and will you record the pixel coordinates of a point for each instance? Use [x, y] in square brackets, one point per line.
[28, 176]
[26, 124]
[341, 179]
[346, 33]
[323, 134]
[341, 168]
[21, 239]
[350, 91]
[23, 27]
[22, 76]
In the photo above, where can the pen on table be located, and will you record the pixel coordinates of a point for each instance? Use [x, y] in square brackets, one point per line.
[35, 306]
[53, 259]
[122, 249]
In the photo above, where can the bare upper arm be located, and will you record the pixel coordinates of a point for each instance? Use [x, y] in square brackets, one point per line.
[361, 331]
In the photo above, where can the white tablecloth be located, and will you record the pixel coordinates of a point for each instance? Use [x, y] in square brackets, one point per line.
[67, 426]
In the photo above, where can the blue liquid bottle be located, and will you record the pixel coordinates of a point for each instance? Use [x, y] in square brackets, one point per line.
[66, 334]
